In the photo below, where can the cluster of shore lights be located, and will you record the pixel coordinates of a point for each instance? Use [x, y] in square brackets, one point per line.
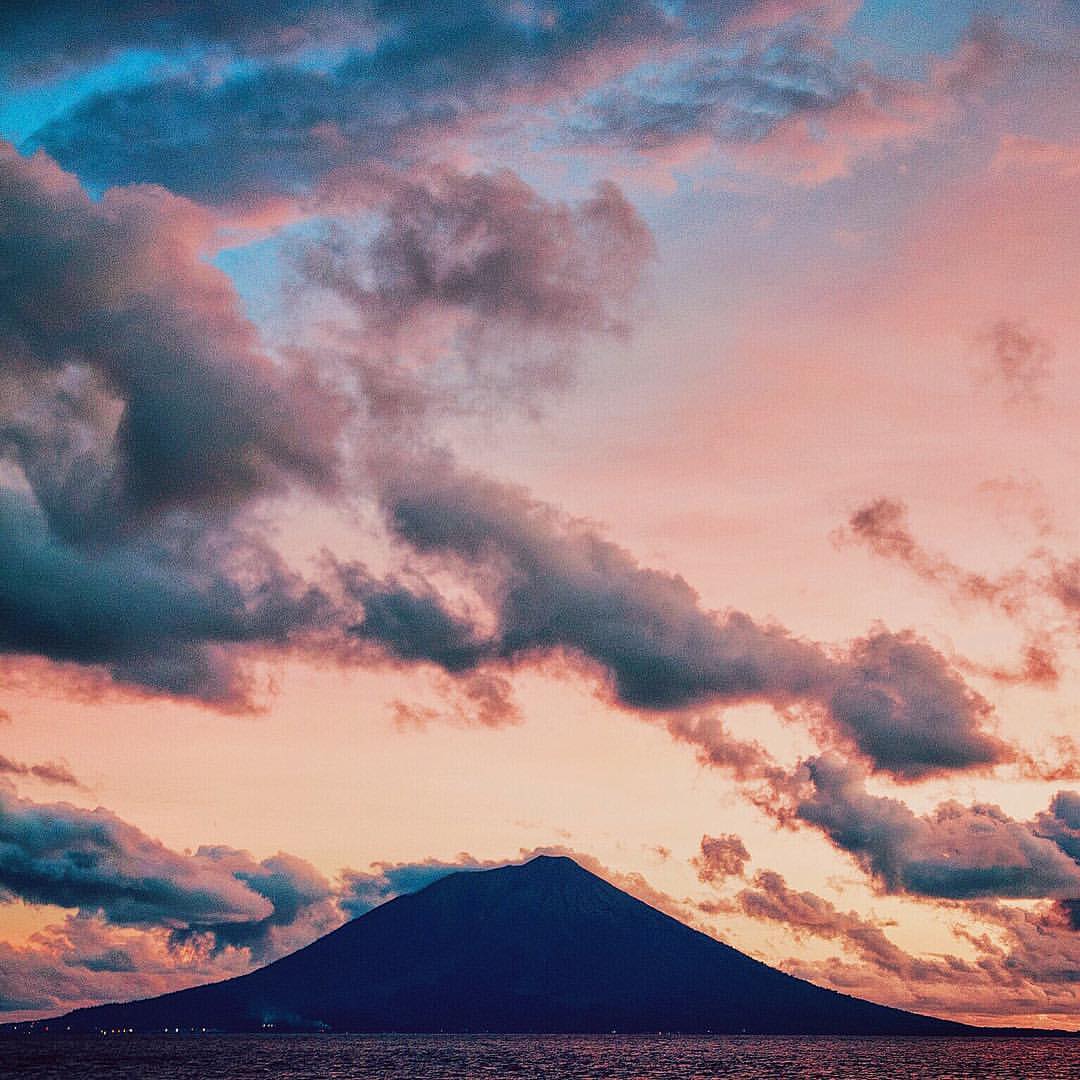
[131, 1031]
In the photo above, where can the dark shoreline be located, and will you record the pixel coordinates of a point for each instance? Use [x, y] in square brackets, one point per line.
[41, 1029]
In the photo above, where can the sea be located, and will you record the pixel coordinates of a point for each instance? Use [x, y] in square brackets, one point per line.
[547, 1057]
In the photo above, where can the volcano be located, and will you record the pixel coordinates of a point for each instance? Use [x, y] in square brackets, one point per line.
[541, 947]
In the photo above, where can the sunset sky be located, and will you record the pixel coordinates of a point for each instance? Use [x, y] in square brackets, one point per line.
[644, 430]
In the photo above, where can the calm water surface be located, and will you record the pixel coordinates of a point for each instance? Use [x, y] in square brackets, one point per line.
[440, 1057]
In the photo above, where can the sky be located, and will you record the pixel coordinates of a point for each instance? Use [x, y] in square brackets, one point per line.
[635, 430]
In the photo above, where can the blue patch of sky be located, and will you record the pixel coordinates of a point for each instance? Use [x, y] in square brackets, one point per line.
[257, 270]
[902, 37]
[899, 36]
[26, 108]
[918, 26]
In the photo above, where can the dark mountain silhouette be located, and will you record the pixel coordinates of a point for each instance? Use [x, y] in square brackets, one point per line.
[541, 947]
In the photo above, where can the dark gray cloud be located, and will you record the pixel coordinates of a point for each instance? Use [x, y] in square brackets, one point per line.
[955, 852]
[132, 383]
[153, 617]
[553, 585]
[93, 861]
[1061, 822]
[489, 244]
[564, 586]
[111, 960]
[107, 869]
[413, 623]
[302, 901]
[722, 97]
[507, 282]
[140, 415]
[908, 711]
